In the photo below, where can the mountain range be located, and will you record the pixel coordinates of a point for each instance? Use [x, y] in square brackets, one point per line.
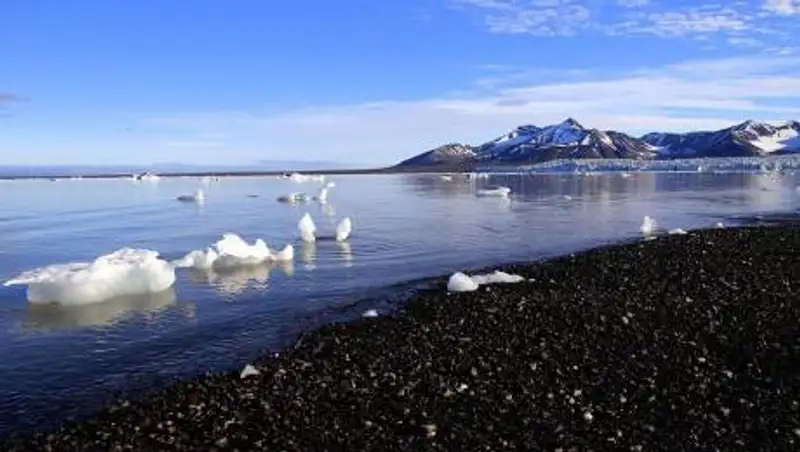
[571, 140]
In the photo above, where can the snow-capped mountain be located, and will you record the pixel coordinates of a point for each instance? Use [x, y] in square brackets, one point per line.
[748, 139]
[571, 140]
[452, 154]
[529, 143]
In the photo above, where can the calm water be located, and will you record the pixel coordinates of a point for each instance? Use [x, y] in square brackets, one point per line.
[60, 362]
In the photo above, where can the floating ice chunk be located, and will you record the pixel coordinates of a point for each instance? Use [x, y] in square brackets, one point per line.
[343, 229]
[303, 178]
[648, 225]
[293, 198]
[233, 251]
[677, 231]
[460, 282]
[197, 197]
[501, 192]
[126, 271]
[249, 371]
[307, 228]
[284, 255]
[323, 192]
[149, 177]
[370, 313]
[197, 259]
[720, 225]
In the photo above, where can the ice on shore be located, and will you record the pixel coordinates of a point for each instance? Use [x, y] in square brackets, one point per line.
[648, 226]
[461, 282]
[126, 271]
[249, 371]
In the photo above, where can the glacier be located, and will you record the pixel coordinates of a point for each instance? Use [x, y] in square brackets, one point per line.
[780, 163]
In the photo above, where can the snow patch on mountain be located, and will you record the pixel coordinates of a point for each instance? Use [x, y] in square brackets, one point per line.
[570, 140]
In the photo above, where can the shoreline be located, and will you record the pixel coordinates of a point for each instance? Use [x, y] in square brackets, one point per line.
[518, 366]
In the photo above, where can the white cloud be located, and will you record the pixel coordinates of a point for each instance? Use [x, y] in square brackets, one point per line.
[735, 22]
[633, 3]
[534, 17]
[782, 7]
[686, 96]
[693, 22]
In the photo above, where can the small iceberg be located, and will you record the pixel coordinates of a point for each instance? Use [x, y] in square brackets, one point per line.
[293, 198]
[147, 177]
[233, 251]
[308, 230]
[124, 272]
[303, 178]
[343, 229]
[323, 192]
[677, 231]
[498, 192]
[461, 282]
[197, 197]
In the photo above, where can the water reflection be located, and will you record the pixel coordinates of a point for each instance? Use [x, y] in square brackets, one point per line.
[327, 209]
[308, 254]
[51, 317]
[426, 184]
[606, 188]
[235, 280]
[346, 253]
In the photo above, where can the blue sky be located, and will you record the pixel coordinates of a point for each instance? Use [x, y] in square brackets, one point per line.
[372, 82]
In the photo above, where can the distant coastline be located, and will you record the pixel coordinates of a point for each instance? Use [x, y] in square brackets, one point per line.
[233, 173]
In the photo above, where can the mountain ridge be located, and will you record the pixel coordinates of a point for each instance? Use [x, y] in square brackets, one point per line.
[569, 139]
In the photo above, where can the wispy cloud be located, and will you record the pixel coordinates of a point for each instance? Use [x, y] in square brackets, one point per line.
[738, 23]
[6, 99]
[633, 3]
[782, 7]
[692, 22]
[686, 96]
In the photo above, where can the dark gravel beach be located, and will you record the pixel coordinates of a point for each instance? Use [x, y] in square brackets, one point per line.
[685, 342]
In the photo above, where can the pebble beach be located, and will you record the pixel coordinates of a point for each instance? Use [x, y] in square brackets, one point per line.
[683, 342]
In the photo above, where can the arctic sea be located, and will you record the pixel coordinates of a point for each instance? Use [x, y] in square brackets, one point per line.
[61, 362]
